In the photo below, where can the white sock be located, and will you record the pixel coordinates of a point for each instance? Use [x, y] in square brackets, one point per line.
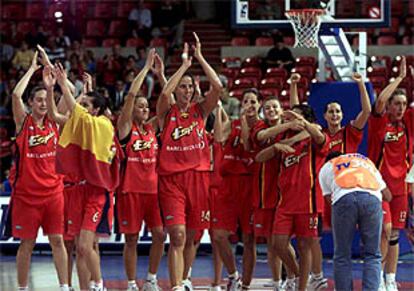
[235, 275]
[189, 273]
[91, 284]
[382, 275]
[317, 276]
[64, 287]
[151, 277]
[132, 283]
[277, 283]
[23, 288]
[390, 277]
[290, 280]
[99, 285]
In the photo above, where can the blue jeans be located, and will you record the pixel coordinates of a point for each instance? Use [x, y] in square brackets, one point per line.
[364, 210]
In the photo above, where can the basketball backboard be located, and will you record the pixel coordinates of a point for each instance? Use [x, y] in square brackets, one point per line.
[345, 13]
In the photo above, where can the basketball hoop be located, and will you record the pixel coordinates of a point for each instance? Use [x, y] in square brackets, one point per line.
[306, 24]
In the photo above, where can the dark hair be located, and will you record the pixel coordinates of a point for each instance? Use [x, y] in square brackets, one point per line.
[329, 103]
[98, 101]
[35, 90]
[332, 155]
[396, 93]
[254, 91]
[186, 74]
[307, 112]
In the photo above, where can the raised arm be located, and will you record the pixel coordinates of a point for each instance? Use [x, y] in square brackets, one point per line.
[61, 78]
[213, 95]
[18, 108]
[314, 130]
[363, 116]
[220, 124]
[279, 128]
[386, 93]
[158, 70]
[293, 91]
[125, 118]
[164, 101]
[49, 81]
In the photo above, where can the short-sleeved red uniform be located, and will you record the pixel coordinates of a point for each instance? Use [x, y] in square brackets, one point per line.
[346, 140]
[37, 199]
[234, 198]
[390, 146]
[265, 188]
[297, 210]
[137, 198]
[183, 170]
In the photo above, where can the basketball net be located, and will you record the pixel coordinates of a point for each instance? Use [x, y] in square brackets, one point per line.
[306, 24]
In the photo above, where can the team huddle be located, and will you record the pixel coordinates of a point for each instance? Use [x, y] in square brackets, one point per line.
[258, 173]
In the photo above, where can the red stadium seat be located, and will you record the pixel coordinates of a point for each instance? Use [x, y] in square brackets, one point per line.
[25, 27]
[238, 93]
[381, 61]
[305, 71]
[243, 83]
[96, 28]
[118, 28]
[89, 42]
[305, 61]
[269, 92]
[289, 40]
[252, 62]
[104, 9]
[408, 40]
[13, 11]
[272, 83]
[55, 7]
[35, 11]
[124, 8]
[264, 41]
[240, 41]
[231, 62]
[386, 40]
[276, 72]
[135, 42]
[110, 42]
[377, 71]
[158, 42]
[250, 72]
[230, 72]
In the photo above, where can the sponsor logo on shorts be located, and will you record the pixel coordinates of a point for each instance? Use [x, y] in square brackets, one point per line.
[95, 217]
[205, 216]
[313, 223]
[124, 222]
[215, 220]
[169, 217]
[70, 222]
[19, 227]
[258, 225]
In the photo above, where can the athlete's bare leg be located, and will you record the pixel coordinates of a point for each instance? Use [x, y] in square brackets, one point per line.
[85, 250]
[317, 256]
[282, 247]
[70, 246]
[385, 241]
[221, 239]
[130, 255]
[23, 258]
[60, 257]
[176, 253]
[157, 249]
[217, 263]
[391, 261]
[305, 261]
[249, 258]
[190, 251]
[274, 262]
[84, 274]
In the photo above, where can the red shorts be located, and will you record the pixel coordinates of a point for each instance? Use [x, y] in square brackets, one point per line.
[133, 208]
[67, 194]
[28, 216]
[233, 205]
[302, 225]
[184, 199]
[395, 211]
[263, 222]
[90, 209]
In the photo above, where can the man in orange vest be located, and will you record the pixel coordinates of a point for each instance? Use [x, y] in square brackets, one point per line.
[355, 188]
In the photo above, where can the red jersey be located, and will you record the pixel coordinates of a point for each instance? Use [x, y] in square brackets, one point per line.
[217, 157]
[34, 170]
[236, 161]
[296, 179]
[390, 147]
[265, 186]
[141, 152]
[184, 142]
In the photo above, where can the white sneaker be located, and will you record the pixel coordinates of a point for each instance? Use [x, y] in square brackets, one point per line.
[133, 288]
[151, 285]
[234, 284]
[382, 285]
[317, 284]
[188, 286]
[215, 288]
[290, 285]
[391, 286]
